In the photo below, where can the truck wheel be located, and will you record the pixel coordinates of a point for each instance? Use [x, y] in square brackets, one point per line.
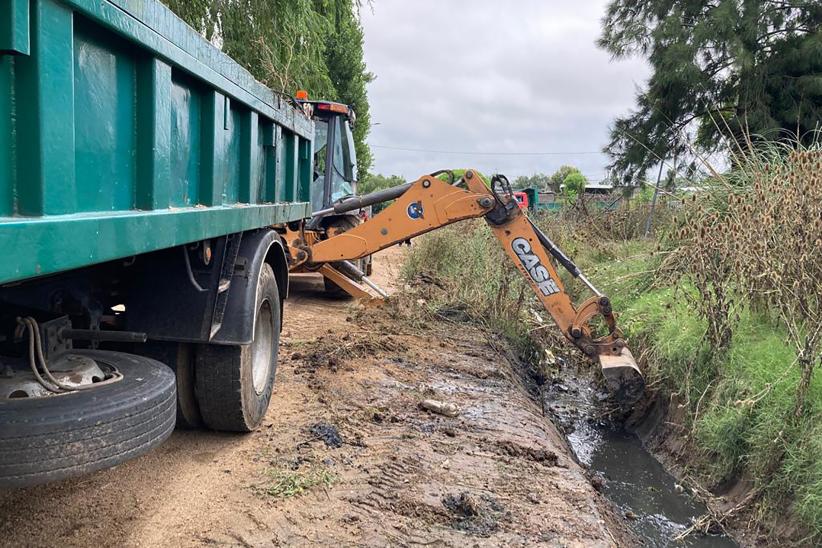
[233, 384]
[57, 437]
[180, 357]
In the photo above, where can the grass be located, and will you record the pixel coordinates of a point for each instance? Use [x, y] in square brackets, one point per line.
[286, 483]
[738, 408]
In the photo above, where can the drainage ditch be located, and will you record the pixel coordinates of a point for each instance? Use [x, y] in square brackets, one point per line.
[657, 508]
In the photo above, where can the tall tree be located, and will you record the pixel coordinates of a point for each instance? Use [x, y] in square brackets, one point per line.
[723, 71]
[348, 73]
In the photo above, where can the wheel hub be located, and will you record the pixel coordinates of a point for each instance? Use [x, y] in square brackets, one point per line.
[262, 347]
[18, 382]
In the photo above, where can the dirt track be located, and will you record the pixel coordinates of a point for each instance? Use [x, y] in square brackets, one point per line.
[497, 474]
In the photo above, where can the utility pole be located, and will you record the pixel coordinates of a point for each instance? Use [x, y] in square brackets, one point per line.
[650, 219]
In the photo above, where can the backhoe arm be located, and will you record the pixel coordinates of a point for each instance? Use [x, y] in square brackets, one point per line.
[430, 203]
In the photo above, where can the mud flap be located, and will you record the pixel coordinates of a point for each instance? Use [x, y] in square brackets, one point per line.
[623, 378]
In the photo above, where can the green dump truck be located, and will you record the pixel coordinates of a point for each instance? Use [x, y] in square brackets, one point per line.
[141, 171]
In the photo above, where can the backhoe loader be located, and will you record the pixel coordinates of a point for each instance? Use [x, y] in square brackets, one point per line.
[441, 199]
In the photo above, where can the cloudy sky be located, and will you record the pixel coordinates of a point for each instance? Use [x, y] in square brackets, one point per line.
[490, 76]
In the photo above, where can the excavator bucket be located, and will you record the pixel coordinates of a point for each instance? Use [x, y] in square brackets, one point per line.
[623, 379]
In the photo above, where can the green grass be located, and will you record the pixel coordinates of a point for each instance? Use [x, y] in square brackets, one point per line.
[285, 483]
[738, 407]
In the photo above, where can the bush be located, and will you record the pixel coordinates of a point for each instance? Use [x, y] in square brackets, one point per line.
[756, 240]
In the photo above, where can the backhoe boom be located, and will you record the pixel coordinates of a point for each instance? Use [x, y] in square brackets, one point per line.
[431, 203]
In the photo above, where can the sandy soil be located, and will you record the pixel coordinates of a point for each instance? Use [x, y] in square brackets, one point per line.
[498, 474]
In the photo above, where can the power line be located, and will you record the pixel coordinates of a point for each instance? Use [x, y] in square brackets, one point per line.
[473, 153]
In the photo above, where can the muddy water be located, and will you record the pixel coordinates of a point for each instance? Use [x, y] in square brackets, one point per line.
[656, 507]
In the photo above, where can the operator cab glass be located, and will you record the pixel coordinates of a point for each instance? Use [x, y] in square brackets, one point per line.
[335, 159]
[320, 151]
[342, 174]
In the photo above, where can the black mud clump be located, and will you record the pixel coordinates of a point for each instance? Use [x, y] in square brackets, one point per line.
[456, 313]
[475, 515]
[328, 433]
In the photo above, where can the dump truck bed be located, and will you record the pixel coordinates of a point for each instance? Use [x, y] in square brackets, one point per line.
[123, 131]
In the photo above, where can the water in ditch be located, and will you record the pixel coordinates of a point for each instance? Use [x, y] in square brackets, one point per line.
[656, 507]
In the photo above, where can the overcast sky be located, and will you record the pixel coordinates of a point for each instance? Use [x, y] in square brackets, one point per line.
[491, 76]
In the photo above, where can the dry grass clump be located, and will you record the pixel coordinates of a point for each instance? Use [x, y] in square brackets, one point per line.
[757, 240]
[285, 482]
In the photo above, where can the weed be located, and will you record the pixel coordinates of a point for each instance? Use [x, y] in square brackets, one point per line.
[285, 483]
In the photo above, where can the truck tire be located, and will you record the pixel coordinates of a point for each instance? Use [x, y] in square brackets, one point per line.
[180, 357]
[58, 437]
[233, 384]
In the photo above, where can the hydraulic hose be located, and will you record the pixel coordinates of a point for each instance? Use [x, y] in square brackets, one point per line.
[563, 259]
[359, 202]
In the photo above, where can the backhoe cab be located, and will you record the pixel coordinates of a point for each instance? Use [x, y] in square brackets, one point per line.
[335, 173]
[335, 161]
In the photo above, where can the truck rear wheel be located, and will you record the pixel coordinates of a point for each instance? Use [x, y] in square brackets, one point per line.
[180, 357]
[233, 384]
[57, 437]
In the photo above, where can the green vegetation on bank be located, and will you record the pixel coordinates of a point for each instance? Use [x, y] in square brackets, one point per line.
[738, 412]
[718, 342]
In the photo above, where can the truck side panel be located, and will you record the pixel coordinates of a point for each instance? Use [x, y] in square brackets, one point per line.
[7, 166]
[121, 118]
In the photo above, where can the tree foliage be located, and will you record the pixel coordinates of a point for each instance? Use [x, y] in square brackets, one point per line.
[541, 181]
[375, 182]
[558, 177]
[293, 44]
[723, 71]
[574, 185]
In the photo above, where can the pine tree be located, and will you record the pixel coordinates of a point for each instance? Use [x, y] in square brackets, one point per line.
[724, 71]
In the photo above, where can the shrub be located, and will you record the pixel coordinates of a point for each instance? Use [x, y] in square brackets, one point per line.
[757, 238]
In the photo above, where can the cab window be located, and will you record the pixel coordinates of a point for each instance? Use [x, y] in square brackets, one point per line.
[320, 149]
[342, 177]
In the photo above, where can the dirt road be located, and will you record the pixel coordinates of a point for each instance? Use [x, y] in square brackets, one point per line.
[346, 456]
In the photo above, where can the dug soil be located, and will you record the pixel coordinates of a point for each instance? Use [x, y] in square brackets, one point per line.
[348, 455]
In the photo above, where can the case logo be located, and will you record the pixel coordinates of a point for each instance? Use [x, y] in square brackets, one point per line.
[415, 210]
[522, 247]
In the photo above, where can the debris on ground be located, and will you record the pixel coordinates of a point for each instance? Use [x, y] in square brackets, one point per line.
[333, 350]
[475, 515]
[440, 408]
[286, 483]
[598, 482]
[327, 433]
[456, 313]
[536, 454]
